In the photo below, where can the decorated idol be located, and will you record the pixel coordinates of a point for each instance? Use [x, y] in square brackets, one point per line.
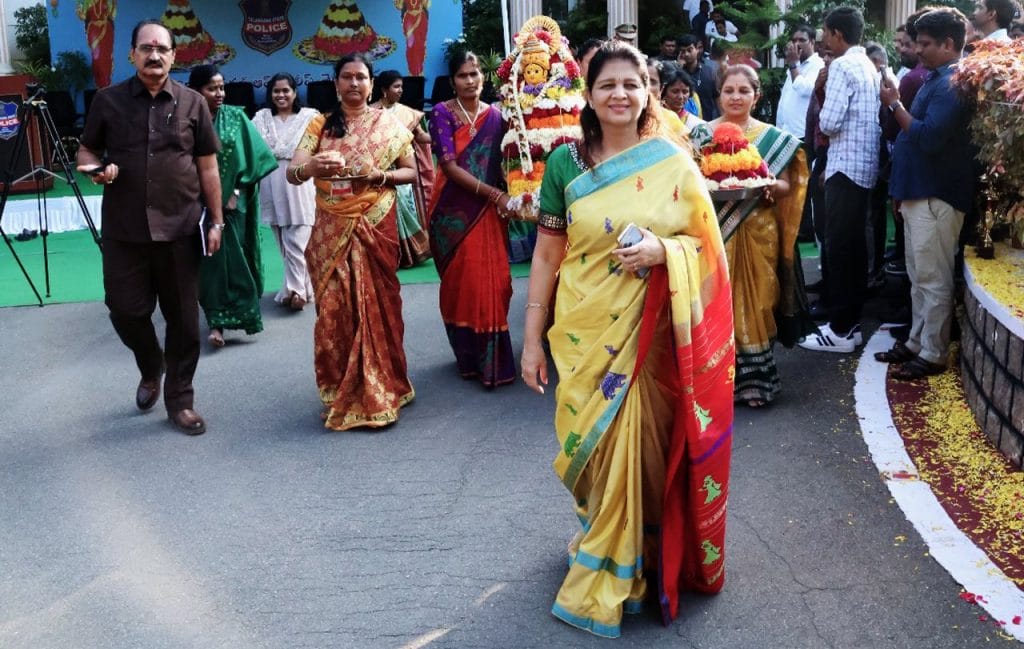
[541, 97]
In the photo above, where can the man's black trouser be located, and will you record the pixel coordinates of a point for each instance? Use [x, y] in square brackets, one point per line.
[845, 264]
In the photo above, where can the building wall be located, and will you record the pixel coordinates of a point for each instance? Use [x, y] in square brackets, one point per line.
[224, 21]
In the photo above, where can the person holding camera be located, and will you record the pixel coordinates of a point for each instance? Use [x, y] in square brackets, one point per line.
[150, 142]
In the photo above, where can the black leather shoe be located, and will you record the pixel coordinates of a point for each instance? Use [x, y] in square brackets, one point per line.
[147, 393]
[188, 421]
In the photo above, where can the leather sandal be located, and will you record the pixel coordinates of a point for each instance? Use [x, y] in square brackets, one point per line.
[917, 369]
[188, 421]
[898, 354]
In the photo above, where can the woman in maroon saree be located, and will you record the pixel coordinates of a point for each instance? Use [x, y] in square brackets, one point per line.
[353, 252]
[468, 234]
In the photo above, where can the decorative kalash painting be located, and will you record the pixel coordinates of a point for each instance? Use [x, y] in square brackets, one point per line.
[251, 40]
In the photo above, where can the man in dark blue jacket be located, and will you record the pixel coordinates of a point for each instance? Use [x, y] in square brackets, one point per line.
[934, 189]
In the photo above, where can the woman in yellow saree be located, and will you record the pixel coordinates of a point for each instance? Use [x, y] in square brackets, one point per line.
[353, 252]
[769, 303]
[642, 342]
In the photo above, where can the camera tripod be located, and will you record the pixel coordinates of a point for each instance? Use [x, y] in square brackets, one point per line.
[35, 107]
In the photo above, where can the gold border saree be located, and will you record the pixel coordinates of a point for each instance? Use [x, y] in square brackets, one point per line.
[353, 263]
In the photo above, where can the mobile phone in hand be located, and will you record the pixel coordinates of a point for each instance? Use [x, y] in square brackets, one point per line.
[630, 236]
[888, 76]
[95, 171]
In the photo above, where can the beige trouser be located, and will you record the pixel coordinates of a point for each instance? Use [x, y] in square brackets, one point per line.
[291, 241]
[932, 229]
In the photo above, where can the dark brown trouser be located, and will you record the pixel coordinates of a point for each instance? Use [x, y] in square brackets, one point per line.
[135, 277]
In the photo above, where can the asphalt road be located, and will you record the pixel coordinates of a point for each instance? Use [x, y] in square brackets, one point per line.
[446, 530]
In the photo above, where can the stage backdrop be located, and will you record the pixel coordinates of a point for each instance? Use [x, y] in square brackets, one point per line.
[251, 40]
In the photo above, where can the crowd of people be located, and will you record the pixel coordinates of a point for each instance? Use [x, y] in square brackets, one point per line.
[659, 306]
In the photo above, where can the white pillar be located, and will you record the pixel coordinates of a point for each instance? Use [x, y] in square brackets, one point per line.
[777, 30]
[522, 10]
[622, 12]
[896, 12]
[5, 50]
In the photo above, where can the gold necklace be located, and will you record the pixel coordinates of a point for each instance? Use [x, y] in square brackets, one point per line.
[465, 113]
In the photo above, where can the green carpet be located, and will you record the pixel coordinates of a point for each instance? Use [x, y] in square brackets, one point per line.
[76, 269]
[62, 189]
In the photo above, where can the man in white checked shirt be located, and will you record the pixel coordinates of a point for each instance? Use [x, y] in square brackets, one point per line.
[849, 117]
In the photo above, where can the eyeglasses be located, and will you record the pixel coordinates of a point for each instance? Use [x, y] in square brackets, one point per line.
[162, 50]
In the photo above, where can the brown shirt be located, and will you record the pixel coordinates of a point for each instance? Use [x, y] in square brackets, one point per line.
[154, 141]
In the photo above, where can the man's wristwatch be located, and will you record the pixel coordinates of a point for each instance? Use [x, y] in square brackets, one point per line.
[894, 105]
[218, 226]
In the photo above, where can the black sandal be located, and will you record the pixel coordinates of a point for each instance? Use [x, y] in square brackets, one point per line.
[898, 354]
[917, 369]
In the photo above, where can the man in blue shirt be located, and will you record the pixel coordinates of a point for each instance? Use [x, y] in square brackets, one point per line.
[934, 187]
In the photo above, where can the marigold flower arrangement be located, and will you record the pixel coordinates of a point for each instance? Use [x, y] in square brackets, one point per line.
[729, 161]
[541, 98]
[993, 78]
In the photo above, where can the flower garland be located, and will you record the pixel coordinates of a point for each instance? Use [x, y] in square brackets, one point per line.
[730, 161]
[541, 113]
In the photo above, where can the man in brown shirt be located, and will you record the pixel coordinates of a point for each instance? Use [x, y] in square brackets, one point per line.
[151, 143]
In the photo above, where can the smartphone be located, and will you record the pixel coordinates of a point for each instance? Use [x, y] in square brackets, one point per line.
[95, 171]
[630, 236]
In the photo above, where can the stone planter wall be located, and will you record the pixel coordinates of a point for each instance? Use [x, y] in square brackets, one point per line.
[992, 366]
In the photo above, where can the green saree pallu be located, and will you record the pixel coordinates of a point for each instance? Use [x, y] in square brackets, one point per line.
[231, 280]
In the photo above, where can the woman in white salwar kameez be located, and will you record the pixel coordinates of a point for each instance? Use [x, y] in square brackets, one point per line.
[288, 209]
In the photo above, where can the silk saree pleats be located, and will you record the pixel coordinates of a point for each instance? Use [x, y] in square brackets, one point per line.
[352, 256]
[768, 299]
[468, 240]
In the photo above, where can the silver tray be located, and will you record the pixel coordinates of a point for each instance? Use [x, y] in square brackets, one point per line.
[739, 194]
[353, 177]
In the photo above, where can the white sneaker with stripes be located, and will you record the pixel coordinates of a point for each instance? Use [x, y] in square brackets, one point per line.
[827, 340]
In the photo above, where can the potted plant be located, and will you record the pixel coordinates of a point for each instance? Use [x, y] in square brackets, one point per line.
[993, 78]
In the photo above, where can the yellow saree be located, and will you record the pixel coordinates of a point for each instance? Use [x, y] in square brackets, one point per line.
[767, 296]
[644, 407]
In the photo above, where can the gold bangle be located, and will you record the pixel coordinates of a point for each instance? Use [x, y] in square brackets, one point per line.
[536, 305]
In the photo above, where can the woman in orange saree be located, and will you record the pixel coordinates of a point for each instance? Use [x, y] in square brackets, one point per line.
[468, 234]
[353, 252]
[642, 340]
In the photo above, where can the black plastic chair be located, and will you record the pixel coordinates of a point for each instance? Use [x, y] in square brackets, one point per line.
[412, 92]
[442, 90]
[65, 116]
[89, 95]
[322, 95]
[241, 93]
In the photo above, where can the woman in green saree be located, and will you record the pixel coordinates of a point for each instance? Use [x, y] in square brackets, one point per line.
[642, 341]
[769, 303]
[231, 281]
